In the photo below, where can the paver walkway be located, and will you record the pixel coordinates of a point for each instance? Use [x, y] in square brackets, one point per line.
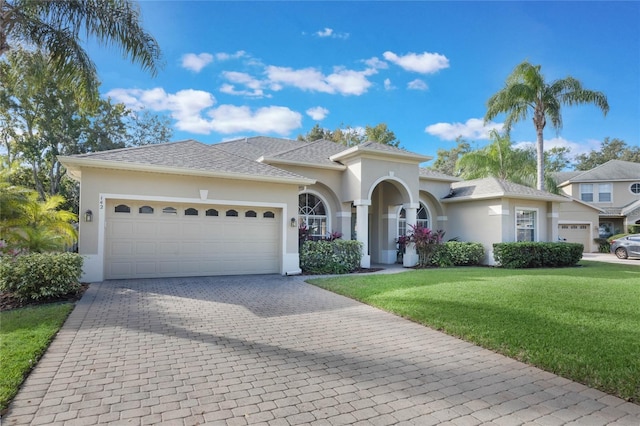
[273, 350]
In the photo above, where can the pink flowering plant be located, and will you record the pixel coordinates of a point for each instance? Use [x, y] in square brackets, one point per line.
[426, 241]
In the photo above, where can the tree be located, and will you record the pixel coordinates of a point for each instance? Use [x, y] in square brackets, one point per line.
[610, 149]
[446, 160]
[57, 27]
[499, 159]
[349, 136]
[380, 133]
[557, 159]
[526, 92]
[41, 119]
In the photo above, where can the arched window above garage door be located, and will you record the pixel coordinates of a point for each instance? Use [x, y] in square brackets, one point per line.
[232, 213]
[122, 208]
[191, 212]
[145, 210]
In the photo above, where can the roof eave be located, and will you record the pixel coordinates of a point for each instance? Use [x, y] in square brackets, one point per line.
[358, 151]
[552, 198]
[75, 164]
[272, 161]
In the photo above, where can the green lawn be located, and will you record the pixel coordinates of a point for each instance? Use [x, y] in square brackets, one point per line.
[24, 336]
[582, 323]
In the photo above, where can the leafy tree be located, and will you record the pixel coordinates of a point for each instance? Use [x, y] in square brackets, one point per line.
[41, 119]
[610, 149]
[499, 159]
[349, 136]
[57, 27]
[557, 159]
[380, 133]
[526, 92]
[446, 160]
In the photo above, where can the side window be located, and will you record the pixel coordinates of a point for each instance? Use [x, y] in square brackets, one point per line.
[191, 212]
[232, 213]
[145, 210]
[211, 212]
[250, 213]
[122, 208]
[170, 210]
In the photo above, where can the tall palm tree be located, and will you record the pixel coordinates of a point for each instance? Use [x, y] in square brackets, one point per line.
[57, 27]
[526, 91]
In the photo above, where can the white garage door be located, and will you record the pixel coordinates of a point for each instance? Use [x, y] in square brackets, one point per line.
[576, 233]
[146, 240]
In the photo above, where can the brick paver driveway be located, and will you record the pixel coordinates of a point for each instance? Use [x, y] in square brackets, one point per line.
[275, 351]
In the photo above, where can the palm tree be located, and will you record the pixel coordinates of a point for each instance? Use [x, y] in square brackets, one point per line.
[57, 26]
[526, 92]
[499, 159]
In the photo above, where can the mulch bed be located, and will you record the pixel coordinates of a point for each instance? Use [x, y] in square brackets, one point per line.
[9, 301]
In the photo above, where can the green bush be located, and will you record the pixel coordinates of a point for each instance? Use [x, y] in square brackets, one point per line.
[537, 254]
[633, 229]
[603, 245]
[330, 257]
[40, 275]
[456, 253]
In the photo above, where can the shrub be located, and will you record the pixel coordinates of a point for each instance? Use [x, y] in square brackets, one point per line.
[455, 253]
[537, 254]
[427, 243]
[41, 275]
[603, 245]
[330, 257]
[633, 229]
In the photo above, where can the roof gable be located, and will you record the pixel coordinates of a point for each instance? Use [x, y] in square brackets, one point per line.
[609, 171]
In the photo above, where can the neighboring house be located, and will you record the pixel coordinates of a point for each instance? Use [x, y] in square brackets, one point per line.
[188, 209]
[609, 195]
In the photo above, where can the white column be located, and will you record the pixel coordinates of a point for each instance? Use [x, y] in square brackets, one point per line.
[410, 257]
[362, 230]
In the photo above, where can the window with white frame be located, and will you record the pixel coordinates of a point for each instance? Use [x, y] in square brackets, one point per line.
[586, 192]
[635, 188]
[526, 225]
[422, 219]
[312, 213]
[604, 192]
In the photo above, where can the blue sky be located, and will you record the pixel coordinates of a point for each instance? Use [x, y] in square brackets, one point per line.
[426, 69]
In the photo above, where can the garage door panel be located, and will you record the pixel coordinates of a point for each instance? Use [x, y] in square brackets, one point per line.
[164, 245]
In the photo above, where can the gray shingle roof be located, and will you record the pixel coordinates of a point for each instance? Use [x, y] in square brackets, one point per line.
[313, 153]
[189, 155]
[609, 171]
[492, 187]
[432, 174]
[259, 146]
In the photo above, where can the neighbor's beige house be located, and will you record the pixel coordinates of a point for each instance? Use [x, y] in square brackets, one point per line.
[189, 209]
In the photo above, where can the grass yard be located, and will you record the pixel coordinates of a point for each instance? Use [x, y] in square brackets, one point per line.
[24, 336]
[581, 323]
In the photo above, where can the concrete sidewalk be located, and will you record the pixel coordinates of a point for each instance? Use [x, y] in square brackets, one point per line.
[273, 350]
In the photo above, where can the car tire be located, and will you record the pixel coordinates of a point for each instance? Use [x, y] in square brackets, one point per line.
[621, 253]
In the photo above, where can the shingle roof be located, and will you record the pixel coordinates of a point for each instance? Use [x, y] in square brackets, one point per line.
[259, 146]
[609, 171]
[312, 153]
[492, 187]
[189, 155]
[432, 174]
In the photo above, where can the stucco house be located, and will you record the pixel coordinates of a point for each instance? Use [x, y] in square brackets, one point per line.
[188, 208]
[607, 200]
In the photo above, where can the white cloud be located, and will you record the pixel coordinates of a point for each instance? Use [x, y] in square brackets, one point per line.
[388, 85]
[342, 81]
[417, 84]
[329, 33]
[254, 85]
[424, 63]
[193, 111]
[227, 56]
[474, 128]
[274, 119]
[576, 148]
[194, 62]
[317, 113]
[376, 63]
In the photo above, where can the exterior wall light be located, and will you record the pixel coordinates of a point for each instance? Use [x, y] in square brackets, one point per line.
[294, 223]
[88, 216]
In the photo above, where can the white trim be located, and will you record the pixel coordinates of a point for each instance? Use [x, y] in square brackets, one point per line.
[343, 214]
[497, 210]
[537, 226]
[362, 202]
[389, 178]
[443, 218]
[97, 264]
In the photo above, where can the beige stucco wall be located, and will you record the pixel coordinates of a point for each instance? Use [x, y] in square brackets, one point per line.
[621, 193]
[104, 181]
[579, 213]
[363, 174]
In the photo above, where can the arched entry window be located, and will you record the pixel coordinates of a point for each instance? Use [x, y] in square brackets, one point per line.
[422, 219]
[312, 213]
